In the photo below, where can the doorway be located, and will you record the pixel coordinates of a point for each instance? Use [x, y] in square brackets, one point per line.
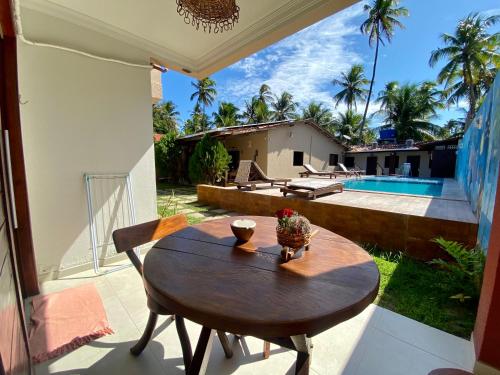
[371, 165]
[414, 161]
[443, 163]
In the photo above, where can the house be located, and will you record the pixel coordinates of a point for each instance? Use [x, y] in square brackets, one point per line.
[280, 148]
[427, 159]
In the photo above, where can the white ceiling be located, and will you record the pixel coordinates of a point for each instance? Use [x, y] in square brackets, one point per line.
[153, 28]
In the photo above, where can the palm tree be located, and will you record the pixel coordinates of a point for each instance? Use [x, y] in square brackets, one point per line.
[198, 121]
[265, 94]
[226, 115]
[380, 24]
[386, 96]
[256, 111]
[472, 58]
[205, 92]
[346, 125]
[409, 109]
[283, 107]
[352, 84]
[318, 113]
[165, 117]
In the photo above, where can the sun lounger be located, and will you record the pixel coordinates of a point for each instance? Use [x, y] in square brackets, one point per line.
[311, 171]
[349, 172]
[312, 189]
[249, 175]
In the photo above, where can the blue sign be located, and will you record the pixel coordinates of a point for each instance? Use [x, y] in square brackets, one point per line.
[387, 134]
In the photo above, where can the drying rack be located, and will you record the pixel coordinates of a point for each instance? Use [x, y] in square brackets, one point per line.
[97, 181]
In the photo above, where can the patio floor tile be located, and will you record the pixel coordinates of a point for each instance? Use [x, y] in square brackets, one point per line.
[377, 341]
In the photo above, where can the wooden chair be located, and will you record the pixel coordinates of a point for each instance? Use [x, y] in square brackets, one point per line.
[126, 239]
[311, 171]
[249, 174]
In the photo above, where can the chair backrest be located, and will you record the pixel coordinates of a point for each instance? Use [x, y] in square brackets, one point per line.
[310, 168]
[342, 166]
[243, 171]
[257, 172]
[125, 239]
[248, 170]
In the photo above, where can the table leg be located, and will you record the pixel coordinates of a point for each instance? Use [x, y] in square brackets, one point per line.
[303, 346]
[187, 353]
[202, 352]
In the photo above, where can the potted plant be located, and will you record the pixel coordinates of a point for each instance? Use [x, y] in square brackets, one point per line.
[293, 230]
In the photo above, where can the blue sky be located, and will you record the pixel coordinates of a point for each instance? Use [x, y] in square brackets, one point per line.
[305, 63]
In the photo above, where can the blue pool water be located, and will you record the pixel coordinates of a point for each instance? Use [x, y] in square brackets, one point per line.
[414, 186]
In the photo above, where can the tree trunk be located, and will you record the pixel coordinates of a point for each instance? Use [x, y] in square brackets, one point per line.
[361, 128]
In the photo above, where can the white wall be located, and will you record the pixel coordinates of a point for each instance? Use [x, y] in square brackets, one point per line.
[250, 145]
[80, 115]
[283, 141]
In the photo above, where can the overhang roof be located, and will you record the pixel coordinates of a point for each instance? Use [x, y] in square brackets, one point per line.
[151, 30]
[254, 128]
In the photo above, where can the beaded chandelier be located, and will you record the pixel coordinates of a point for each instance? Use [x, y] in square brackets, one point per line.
[213, 15]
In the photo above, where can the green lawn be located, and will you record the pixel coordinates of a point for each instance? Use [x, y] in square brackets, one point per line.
[407, 287]
[421, 292]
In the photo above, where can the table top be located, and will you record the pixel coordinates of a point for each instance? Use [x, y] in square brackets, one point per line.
[202, 274]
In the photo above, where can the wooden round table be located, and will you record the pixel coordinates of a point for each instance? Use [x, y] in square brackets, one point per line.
[203, 274]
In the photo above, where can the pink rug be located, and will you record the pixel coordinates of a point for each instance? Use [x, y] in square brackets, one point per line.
[64, 321]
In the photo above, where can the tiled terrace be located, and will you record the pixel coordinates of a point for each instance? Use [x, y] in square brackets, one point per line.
[377, 341]
[452, 205]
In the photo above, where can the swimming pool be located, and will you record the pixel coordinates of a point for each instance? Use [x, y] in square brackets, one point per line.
[400, 185]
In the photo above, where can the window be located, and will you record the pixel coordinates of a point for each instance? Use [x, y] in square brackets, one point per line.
[298, 158]
[349, 161]
[333, 159]
[387, 161]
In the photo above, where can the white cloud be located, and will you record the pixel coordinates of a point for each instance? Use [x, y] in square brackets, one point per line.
[303, 64]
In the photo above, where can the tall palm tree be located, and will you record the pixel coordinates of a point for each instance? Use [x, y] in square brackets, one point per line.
[256, 111]
[353, 87]
[409, 109]
[226, 115]
[205, 92]
[165, 117]
[265, 94]
[318, 113]
[284, 107]
[198, 122]
[386, 96]
[472, 56]
[380, 24]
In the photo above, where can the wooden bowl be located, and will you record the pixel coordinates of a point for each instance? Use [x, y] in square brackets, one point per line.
[243, 229]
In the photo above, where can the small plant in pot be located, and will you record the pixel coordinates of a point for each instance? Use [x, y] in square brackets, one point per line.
[293, 232]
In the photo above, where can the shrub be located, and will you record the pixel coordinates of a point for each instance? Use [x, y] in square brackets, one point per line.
[209, 162]
[167, 156]
[467, 268]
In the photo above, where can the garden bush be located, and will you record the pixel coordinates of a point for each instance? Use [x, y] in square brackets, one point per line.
[209, 162]
[167, 157]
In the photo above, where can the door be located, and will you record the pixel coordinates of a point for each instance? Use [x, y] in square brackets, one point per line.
[371, 165]
[14, 357]
[443, 163]
[14, 350]
[414, 161]
[235, 159]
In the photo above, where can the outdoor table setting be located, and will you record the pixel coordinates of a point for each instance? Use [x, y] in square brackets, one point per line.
[284, 293]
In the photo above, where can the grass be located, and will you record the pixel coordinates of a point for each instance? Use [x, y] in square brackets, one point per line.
[422, 292]
[407, 287]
